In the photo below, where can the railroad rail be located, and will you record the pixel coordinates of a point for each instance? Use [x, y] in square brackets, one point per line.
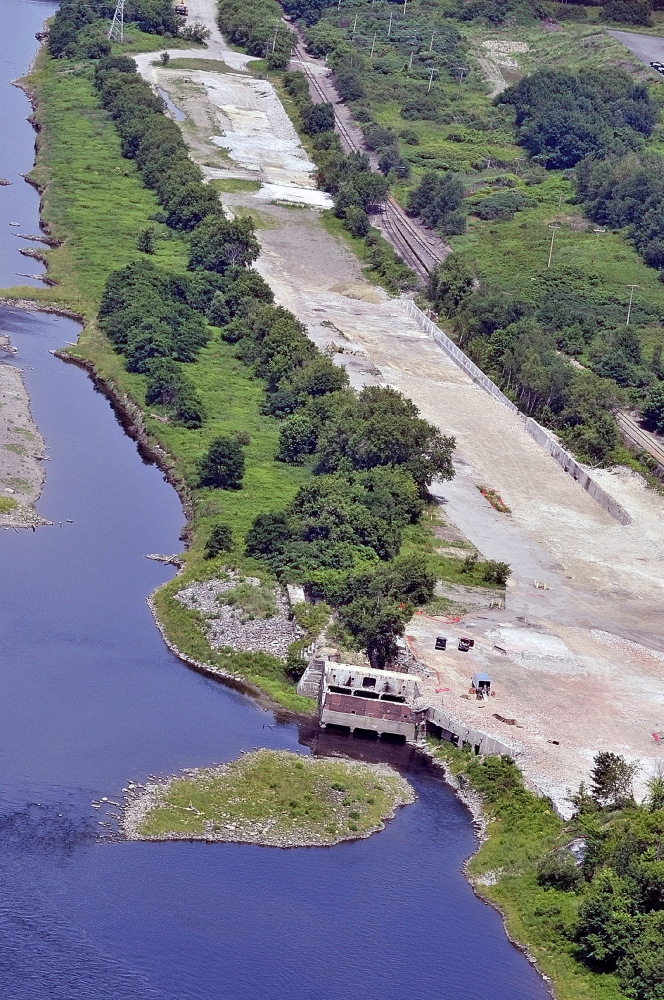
[415, 250]
[642, 439]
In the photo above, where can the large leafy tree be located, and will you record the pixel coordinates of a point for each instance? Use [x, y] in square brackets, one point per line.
[375, 625]
[219, 244]
[223, 465]
[612, 778]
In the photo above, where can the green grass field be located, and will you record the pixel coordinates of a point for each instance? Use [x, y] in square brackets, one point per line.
[311, 800]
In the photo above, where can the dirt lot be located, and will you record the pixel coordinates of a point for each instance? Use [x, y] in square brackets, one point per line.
[581, 638]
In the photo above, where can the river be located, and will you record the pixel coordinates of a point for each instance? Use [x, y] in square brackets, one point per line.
[91, 698]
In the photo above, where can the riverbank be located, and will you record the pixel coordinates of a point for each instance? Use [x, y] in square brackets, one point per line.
[22, 450]
[516, 830]
[271, 798]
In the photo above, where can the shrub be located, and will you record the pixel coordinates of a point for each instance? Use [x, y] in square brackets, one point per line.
[222, 467]
[496, 572]
[502, 205]
[559, 871]
[219, 540]
[357, 221]
[145, 241]
[628, 12]
[437, 199]
[653, 409]
[317, 118]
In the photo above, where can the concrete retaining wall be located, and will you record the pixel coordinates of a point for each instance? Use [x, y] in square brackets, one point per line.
[535, 430]
[489, 745]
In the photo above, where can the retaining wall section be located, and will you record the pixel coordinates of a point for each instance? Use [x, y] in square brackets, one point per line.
[489, 745]
[545, 439]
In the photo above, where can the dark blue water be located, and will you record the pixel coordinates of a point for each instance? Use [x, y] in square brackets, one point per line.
[90, 697]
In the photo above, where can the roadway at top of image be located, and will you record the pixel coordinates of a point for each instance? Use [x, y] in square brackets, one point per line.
[647, 48]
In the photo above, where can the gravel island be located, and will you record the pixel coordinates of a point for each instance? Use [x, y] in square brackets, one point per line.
[274, 798]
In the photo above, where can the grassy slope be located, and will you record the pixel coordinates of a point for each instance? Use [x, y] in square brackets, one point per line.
[520, 832]
[95, 202]
[303, 797]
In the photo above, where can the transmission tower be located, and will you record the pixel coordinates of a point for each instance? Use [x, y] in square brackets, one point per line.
[117, 24]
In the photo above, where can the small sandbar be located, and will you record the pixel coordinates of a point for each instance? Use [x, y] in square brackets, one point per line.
[269, 797]
[21, 451]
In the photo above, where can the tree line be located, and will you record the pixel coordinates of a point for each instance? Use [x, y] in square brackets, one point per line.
[518, 343]
[563, 117]
[374, 463]
[78, 29]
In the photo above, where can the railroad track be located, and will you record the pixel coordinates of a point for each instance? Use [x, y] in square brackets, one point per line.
[412, 247]
[642, 439]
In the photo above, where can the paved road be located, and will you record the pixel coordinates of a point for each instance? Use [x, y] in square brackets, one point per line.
[648, 48]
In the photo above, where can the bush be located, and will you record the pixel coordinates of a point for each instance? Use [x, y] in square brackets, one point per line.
[223, 465]
[628, 12]
[496, 572]
[437, 200]
[145, 241]
[653, 409]
[390, 160]
[357, 221]
[219, 540]
[559, 871]
[502, 205]
[317, 118]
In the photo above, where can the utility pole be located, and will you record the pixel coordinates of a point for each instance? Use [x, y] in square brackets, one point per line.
[389, 27]
[433, 70]
[116, 32]
[274, 40]
[631, 296]
[462, 70]
[404, 7]
[518, 160]
[431, 44]
[354, 27]
[598, 232]
[553, 226]
[373, 45]
[410, 61]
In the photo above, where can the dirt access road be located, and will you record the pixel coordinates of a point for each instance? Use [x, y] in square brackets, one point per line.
[577, 659]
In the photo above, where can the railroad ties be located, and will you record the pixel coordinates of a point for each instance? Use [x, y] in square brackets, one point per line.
[419, 251]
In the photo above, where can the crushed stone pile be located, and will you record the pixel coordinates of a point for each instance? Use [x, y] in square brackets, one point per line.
[224, 625]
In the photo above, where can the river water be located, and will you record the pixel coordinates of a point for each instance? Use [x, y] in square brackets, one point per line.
[91, 698]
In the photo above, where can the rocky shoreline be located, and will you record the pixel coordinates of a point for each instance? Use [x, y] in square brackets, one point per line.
[472, 800]
[142, 801]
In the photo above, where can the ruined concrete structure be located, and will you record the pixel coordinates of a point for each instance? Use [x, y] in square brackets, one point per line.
[380, 701]
[384, 701]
